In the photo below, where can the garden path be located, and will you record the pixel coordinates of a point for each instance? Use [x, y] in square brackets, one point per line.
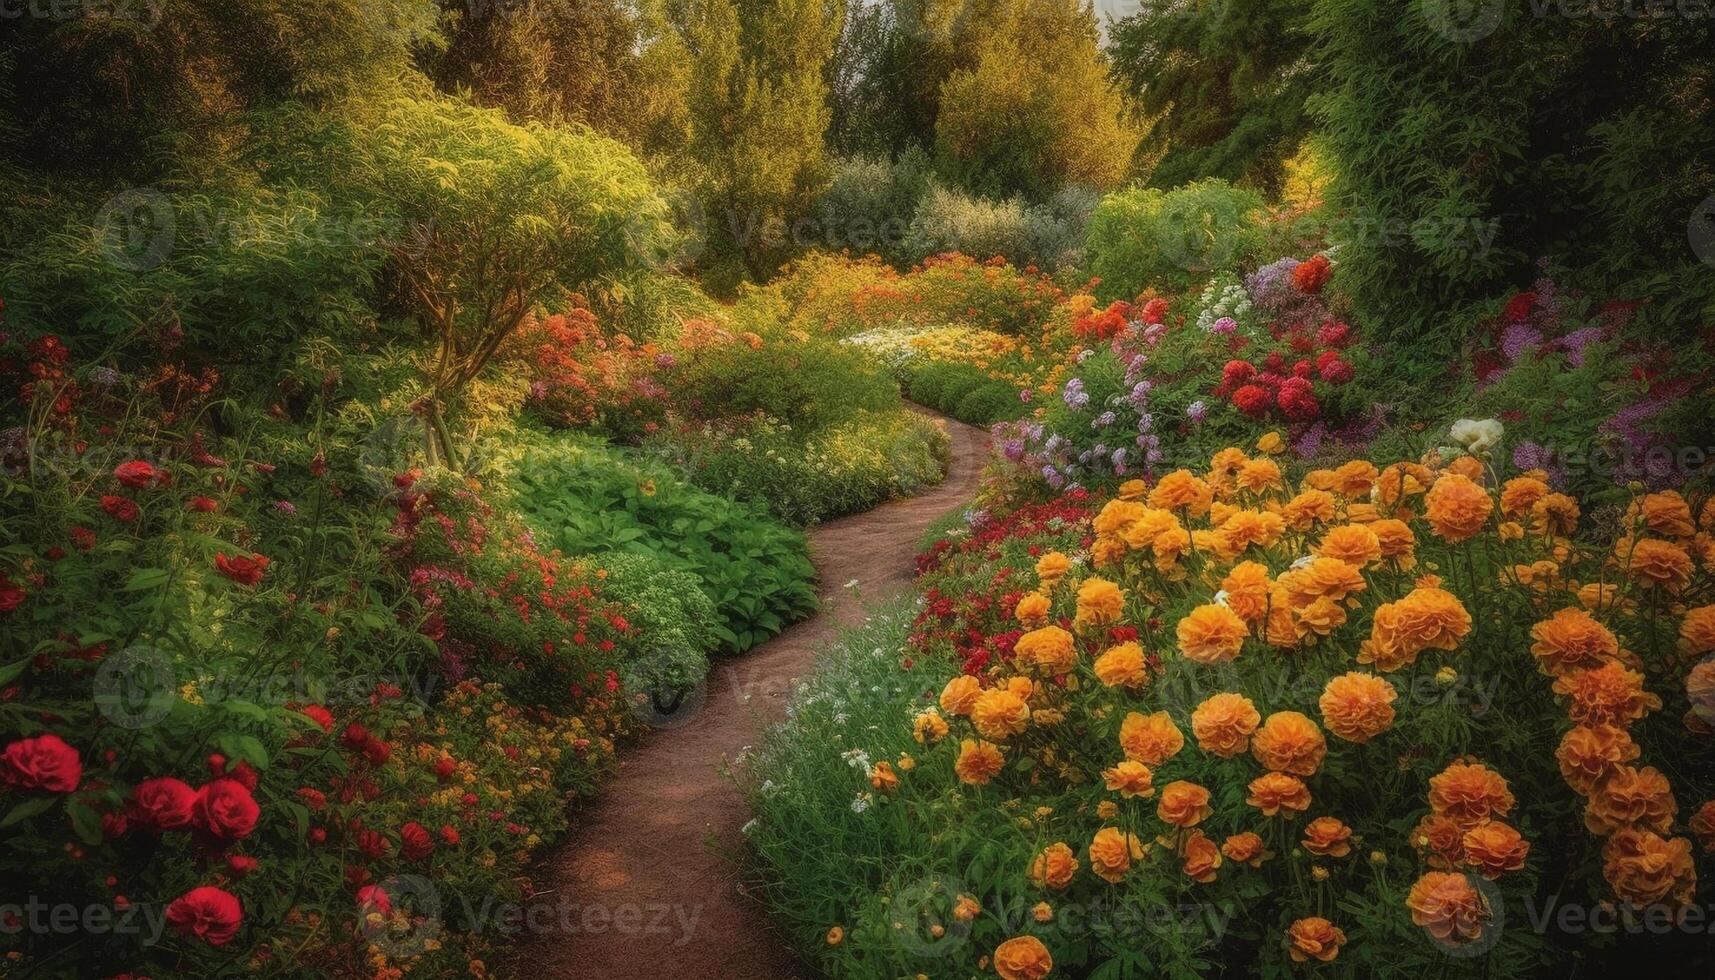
[646, 886]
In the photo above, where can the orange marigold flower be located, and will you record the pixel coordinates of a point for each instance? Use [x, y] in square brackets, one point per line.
[1117, 515]
[1211, 634]
[1606, 695]
[1181, 492]
[1130, 779]
[1397, 482]
[1258, 474]
[1427, 618]
[1245, 528]
[1309, 508]
[1054, 867]
[883, 778]
[1112, 852]
[1032, 610]
[1276, 792]
[1357, 707]
[1396, 540]
[1245, 848]
[1470, 792]
[1589, 752]
[1000, 714]
[1448, 906]
[1493, 848]
[1052, 567]
[1520, 494]
[1100, 602]
[1555, 514]
[1703, 825]
[1150, 739]
[1697, 631]
[1655, 563]
[1665, 513]
[1132, 490]
[1700, 691]
[1202, 858]
[1468, 467]
[960, 694]
[1629, 797]
[1223, 724]
[1457, 508]
[1314, 938]
[1247, 586]
[1354, 544]
[1022, 958]
[1440, 840]
[1122, 666]
[1328, 837]
[1644, 868]
[1047, 651]
[1289, 742]
[1183, 804]
[1570, 640]
[1154, 522]
[1355, 478]
[978, 762]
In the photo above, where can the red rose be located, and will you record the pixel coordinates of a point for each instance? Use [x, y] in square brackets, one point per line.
[244, 571]
[226, 809]
[318, 714]
[209, 913]
[121, 508]
[163, 804]
[44, 762]
[373, 898]
[415, 842]
[245, 773]
[1312, 275]
[202, 505]
[138, 474]
[11, 594]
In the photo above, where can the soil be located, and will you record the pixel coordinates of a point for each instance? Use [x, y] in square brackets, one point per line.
[647, 886]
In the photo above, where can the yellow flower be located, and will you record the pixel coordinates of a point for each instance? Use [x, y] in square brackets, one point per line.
[978, 762]
[1000, 714]
[929, 727]
[1271, 443]
[836, 935]
[1047, 651]
[1122, 665]
[1100, 602]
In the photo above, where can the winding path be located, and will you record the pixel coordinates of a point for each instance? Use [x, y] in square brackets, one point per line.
[646, 887]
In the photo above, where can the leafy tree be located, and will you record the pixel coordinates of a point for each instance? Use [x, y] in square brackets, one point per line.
[1224, 82]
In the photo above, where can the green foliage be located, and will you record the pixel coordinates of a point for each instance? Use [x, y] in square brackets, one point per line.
[869, 203]
[584, 498]
[966, 393]
[1048, 235]
[807, 384]
[668, 605]
[1171, 240]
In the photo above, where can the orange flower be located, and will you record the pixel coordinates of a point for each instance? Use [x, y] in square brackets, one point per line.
[1328, 578]
[1309, 508]
[929, 727]
[1032, 610]
[1247, 587]
[1258, 474]
[1426, 619]
[1022, 958]
[1245, 848]
[1202, 858]
[1606, 695]
[1054, 867]
[1050, 568]
[1457, 508]
[1520, 494]
[1047, 651]
[1314, 938]
[1289, 742]
[1355, 478]
[978, 762]
[1183, 804]
[1117, 515]
[1223, 724]
[1000, 714]
[1697, 631]
[1150, 739]
[1328, 837]
[1181, 492]
[1655, 563]
[1276, 792]
[1100, 602]
[1245, 528]
[1357, 707]
[1493, 848]
[1448, 906]
[1470, 792]
[1111, 854]
[1122, 666]
[1587, 753]
[1353, 544]
[1629, 797]
[960, 694]
[1703, 825]
[1130, 779]
[1700, 691]
[1665, 513]
[883, 778]
[1570, 640]
[1440, 840]
[1211, 634]
[1396, 540]
[1555, 514]
[1643, 868]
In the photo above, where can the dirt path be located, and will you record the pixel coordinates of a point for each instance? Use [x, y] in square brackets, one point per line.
[643, 887]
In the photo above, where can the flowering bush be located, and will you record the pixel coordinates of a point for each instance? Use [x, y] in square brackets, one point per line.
[1361, 719]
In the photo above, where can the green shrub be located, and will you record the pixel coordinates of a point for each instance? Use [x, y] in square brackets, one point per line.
[1146, 238]
[681, 625]
[1048, 235]
[806, 382]
[868, 205]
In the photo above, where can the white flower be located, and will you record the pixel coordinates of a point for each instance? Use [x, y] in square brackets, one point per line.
[1478, 437]
[860, 803]
[1303, 562]
[1221, 598]
[852, 584]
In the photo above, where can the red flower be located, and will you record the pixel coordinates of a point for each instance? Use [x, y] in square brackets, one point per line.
[1301, 369]
[444, 768]
[1334, 370]
[1155, 311]
[1252, 400]
[1312, 275]
[162, 804]
[377, 751]
[241, 864]
[1235, 373]
[372, 844]
[244, 571]
[226, 809]
[83, 538]
[318, 714]
[1333, 334]
[449, 835]
[1519, 307]
[373, 898]
[355, 737]
[1297, 401]
[11, 594]
[211, 914]
[203, 505]
[415, 842]
[44, 762]
[313, 798]
[121, 508]
[138, 474]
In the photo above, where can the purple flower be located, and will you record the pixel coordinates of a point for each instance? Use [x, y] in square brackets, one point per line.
[1519, 339]
[1197, 411]
[1103, 420]
[1575, 342]
[1074, 394]
[1224, 325]
[1014, 449]
[286, 507]
[1024, 395]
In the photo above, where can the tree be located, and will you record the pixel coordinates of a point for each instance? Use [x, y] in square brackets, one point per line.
[502, 215]
[1226, 84]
